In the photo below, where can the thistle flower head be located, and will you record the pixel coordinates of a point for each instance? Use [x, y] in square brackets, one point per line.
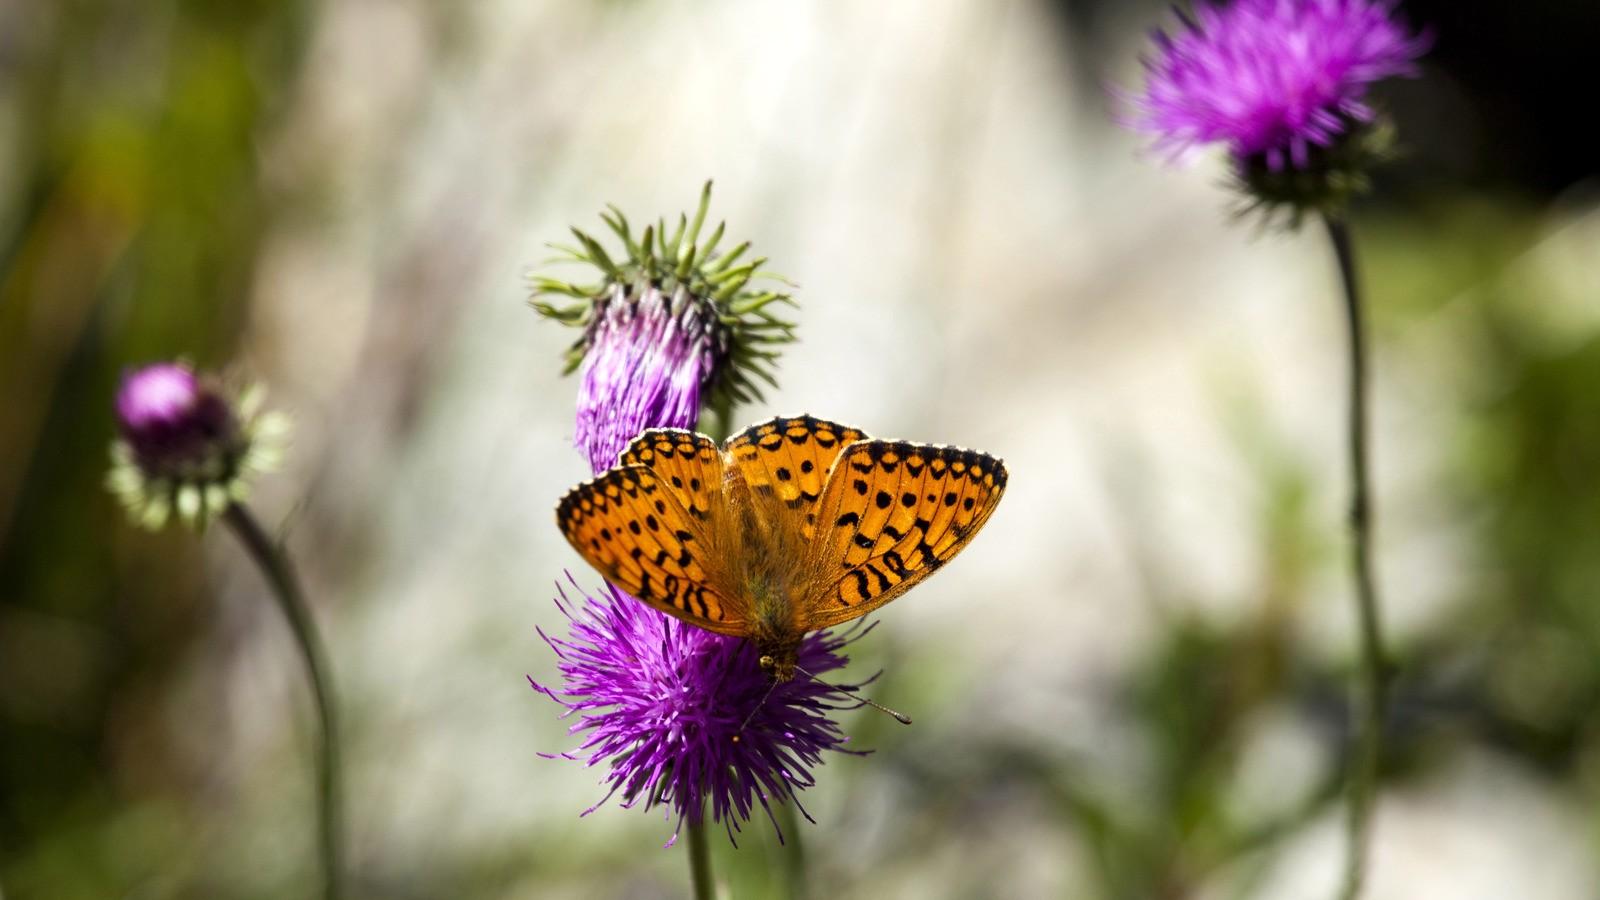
[186, 445]
[682, 718]
[169, 419]
[664, 706]
[648, 359]
[672, 323]
[1280, 83]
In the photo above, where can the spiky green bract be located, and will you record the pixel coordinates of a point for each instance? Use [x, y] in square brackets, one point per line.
[188, 446]
[1330, 179]
[728, 290]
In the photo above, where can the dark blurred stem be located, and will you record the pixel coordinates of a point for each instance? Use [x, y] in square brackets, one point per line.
[700, 859]
[274, 564]
[794, 853]
[1363, 784]
[716, 420]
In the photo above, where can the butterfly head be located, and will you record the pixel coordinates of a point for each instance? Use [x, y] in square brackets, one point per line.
[778, 672]
[779, 655]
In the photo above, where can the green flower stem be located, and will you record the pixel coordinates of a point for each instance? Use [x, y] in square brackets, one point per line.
[699, 848]
[700, 859]
[274, 563]
[794, 853]
[1363, 784]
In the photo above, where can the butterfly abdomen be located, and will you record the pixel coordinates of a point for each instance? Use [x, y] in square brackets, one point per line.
[770, 611]
[772, 627]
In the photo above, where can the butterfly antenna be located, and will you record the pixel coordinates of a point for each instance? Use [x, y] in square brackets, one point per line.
[753, 710]
[854, 691]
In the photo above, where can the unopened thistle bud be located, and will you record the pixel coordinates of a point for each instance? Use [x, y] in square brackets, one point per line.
[186, 446]
[672, 326]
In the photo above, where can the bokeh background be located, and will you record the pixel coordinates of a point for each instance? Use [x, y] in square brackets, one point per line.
[1133, 685]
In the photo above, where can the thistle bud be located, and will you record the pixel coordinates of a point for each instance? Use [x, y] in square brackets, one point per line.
[186, 445]
[673, 326]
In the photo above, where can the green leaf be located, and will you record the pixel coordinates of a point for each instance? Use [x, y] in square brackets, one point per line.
[619, 225]
[711, 244]
[726, 259]
[597, 254]
[700, 213]
[670, 251]
[686, 264]
[647, 254]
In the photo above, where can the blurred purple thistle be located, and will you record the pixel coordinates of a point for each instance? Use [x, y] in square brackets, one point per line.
[1271, 78]
[664, 705]
[170, 419]
[1283, 84]
[186, 445]
[648, 360]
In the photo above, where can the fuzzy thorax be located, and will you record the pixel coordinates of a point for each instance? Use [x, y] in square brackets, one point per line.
[760, 539]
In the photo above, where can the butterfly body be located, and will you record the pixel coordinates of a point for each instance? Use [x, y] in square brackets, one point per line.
[796, 524]
[761, 555]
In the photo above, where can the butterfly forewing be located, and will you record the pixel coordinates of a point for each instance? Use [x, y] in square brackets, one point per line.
[629, 525]
[892, 513]
[689, 465]
[789, 457]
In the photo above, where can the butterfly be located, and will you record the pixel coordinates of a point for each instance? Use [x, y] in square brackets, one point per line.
[793, 525]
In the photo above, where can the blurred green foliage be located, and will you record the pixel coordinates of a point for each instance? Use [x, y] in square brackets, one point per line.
[133, 207]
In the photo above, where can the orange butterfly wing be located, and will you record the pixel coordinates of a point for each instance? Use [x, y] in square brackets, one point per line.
[629, 525]
[689, 463]
[788, 458]
[877, 517]
[890, 515]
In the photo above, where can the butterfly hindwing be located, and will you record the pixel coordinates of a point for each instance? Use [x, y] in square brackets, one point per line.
[890, 515]
[628, 525]
[789, 457]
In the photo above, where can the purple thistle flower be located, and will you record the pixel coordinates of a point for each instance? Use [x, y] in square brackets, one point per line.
[169, 419]
[684, 718]
[648, 359]
[1271, 78]
[185, 445]
[674, 325]
[665, 706]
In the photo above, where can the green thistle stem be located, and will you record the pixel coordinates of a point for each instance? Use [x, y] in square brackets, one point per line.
[1369, 740]
[700, 859]
[273, 561]
[716, 422]
[794, 853]
[699, 848]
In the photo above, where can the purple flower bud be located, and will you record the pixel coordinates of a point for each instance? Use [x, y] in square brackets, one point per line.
[665, 704]
[171, 420]
[673, 326]
[648, 359]
[185, 446]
